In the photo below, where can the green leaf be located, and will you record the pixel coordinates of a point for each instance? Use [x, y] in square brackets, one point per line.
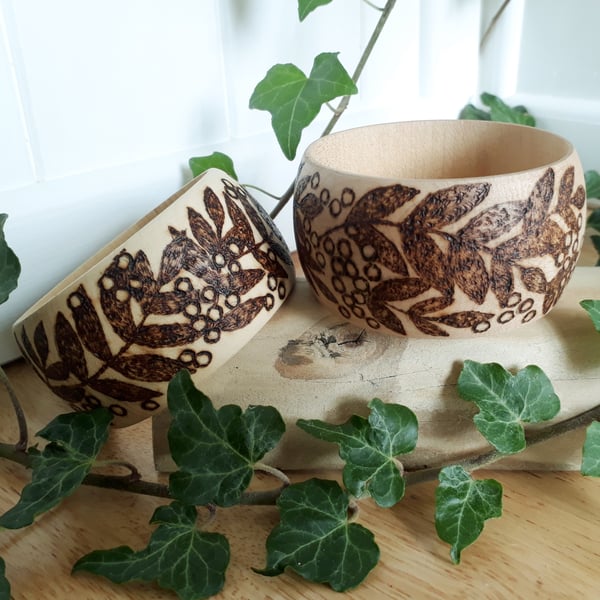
[216, 160]
[305, 7]
[178, 556]
[462, 505]
[4, 584]
[593, 309]
[592, 184]
[594, 219]
[74, 442]
[10, 267]
[215, 450]
[472, 113]
[500, 111]
[369, 448]
[315, 539]
[506, 401]
[590, 464]
[294, 100]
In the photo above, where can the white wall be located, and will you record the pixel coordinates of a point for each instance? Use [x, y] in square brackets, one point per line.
[545, 56]
[102, 104]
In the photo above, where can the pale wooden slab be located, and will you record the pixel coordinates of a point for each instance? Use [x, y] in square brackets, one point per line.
[310, 364]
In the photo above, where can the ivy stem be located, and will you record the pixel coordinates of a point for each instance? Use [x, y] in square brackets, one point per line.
[269, 497]
[21, 445]
[343, 104]
[532, 437]
[341, 107]
[373, 5]
[134, 474]
[285, 480]
[261, 190]
[353, 510]
[212, 515]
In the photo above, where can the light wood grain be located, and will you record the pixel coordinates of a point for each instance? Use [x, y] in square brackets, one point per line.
[547, 544]
[307, 363]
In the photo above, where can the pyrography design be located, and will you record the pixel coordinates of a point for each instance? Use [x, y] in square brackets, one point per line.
[167, 322]
[386, 272]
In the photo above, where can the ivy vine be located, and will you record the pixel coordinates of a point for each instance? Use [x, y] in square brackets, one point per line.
[218, 451]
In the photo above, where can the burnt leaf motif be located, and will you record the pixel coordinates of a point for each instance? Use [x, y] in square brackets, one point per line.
[381, 202]
[578, 198]
[301, 185]
[161, 336]
[431, 305]
[429, 261]
[398, 289]
[310, 205]
[195, 259]
[243, 314]
[387, 317]
[29, 351]
[175, 256]
[57, 370]
[243, 281]
[114, 296]
[447, 205]
[149, 367]
[464, 319]
[565, 187]
[215, 210]
[70, 393]
[69, 347]
[40, 339]
[241, 233]
[384, 250]
[539, 202]
[534, 279]
[426, 326]
[171, 303]
[123, 391]
[142, 283]
[202, 231]
[272, 266]
[502, 281]
[493, 222]
[469, 271]
[323, 289]
[88, 324]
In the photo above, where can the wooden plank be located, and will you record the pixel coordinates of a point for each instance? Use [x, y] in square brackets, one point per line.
[310, 364]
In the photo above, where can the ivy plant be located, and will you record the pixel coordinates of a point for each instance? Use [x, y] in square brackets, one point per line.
[218, 451]
[498, 110]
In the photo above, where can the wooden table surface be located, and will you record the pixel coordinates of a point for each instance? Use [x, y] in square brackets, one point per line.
[546, 545]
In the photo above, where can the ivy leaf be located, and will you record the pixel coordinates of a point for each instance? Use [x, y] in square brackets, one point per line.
[305, 7]
[596, 242]
[178, 556]
[593, 309]
[10, 267]
[294, 100]
[472, 113]
[315, 539]
[500, 111]
[369, 448]
[4, 584]
[506, 401]
[462, 505]
[592, 184]
[594, 219]
[590, 464]
[217, 160]
[215, 450]
[75, 440]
